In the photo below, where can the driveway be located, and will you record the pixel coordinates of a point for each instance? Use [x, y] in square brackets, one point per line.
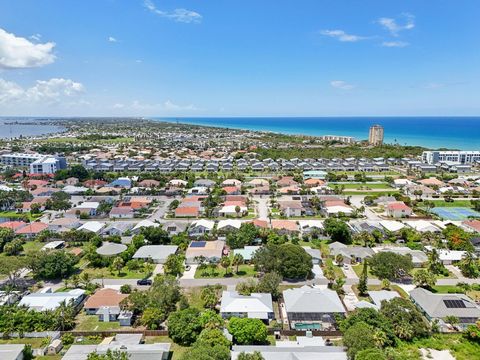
[262, 206]
[350, 299]
[190, 274]
[318, 272]
[455, 271]
[349, 272]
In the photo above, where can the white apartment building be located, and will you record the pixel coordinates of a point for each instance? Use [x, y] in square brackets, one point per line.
[339, 138]
[37, 163]
[460, 157]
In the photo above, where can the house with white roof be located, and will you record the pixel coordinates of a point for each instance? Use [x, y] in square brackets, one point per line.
[158, 254]
[11, 351]
[47, 300]
[253, 306]
[312, 308]
[229, 225]
[231, 210]
[377, 298]
[446, 256]
[92, 226]
[422, 226]
[392, 225]
[201, 227]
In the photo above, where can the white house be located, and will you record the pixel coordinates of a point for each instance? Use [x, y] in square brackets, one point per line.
[254, 306]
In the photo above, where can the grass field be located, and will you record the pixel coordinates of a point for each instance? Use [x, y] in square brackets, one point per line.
[360, 186]
[359, 268]
[15, 215]
[90, 323]
[124, 274]
[456, 203]
[34, 342]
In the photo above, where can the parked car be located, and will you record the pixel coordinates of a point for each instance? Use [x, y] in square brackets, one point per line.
[144, 282]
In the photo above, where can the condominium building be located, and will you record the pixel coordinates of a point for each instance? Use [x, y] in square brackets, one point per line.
[375, 136]
[460, 157]
[339, 138]
[37, 163]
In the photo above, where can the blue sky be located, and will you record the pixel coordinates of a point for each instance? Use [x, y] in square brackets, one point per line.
[239, 58]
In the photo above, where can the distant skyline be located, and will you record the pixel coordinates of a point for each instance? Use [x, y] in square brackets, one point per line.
[239, 58]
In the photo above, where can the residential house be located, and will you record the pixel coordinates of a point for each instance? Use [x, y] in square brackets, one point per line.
[312, 308]
[440, 306]
[211, 251]
[32, 229]
[201, 227]
[253, 306]
[247, 252]
[46, 299]
[350, 254]
[105, 303]
[121, 213]
[92, 226]
[158, 254]
[12, 351]
[287, 227]
[291, 208]
[398, 210]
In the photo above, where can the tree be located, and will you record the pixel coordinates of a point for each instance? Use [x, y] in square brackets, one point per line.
[225, 263]
[452, 320]
[209, 319]
[54, 264]
[65, 316]
[407, 322]
[389, 265]
[14, 247]
[363, 281]
[174, 265]
[184, 326]
[202, 352]
[294, 262]
[212, 337]
[469, 266]
[329, 273]
[337, 230]
[237, 210]
[209, 296]
[250, 356]
[12, 267]
[6, 235]
[126, 289]
[117, 264]
[246, 331]
[152, 318]
[269, 283]
[358, 337]
[155, 235]
[424, 278]
[434, 263]
[237, 261]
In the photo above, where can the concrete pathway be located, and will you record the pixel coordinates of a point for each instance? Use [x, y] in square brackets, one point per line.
[349, 272]
[190, 274]
[455, 271]
[318, 272]
[350, 299]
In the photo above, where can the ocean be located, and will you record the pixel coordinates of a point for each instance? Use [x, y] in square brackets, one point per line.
[461, 133]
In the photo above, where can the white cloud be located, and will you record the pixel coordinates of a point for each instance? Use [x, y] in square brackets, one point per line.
[36, 37]
[47, 92]
[178, 15]
[394, 27]
[434, 85]
[342, 35]
[400, 44]
[340, 84]
[17, 52]
[111, 39]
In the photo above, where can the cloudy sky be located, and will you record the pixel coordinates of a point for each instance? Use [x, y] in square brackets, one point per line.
[239, 57]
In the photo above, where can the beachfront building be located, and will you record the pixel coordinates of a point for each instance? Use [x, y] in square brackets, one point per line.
[375, 136]
[460, 157]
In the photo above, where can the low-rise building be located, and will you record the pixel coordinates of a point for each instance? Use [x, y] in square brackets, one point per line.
[254, 306]
[158, 254]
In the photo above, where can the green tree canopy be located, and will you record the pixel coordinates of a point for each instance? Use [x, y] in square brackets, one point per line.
[338, 230]
[389, 265]
[184, 326]
[247, 331]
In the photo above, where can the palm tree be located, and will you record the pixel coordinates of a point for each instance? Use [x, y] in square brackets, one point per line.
[380, 338]
[225, 263]
[237, 261]
[339, 259]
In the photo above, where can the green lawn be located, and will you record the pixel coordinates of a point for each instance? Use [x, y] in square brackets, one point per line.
[338, 271]
[193, 296]
[359, 268]
[219, 272]
[90, 323]
[34, 342]
[456, 203]
[176, 349]
[360, 186]
[124, 274]
[15, 215]
[49, 357]
[372, 193]
[449, 276]
[32, 246]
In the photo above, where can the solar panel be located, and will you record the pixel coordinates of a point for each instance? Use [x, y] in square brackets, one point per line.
[454, 304]
[198, 244]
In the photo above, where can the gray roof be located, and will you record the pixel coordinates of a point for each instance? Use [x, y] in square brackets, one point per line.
[381, 295]
[155, 252]
[11, 351]
[434, 306]
[293, 352]
[314, 253]
[110, 248]
[312, 300]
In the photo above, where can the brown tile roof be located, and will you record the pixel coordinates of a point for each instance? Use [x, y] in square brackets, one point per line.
[104, 297]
